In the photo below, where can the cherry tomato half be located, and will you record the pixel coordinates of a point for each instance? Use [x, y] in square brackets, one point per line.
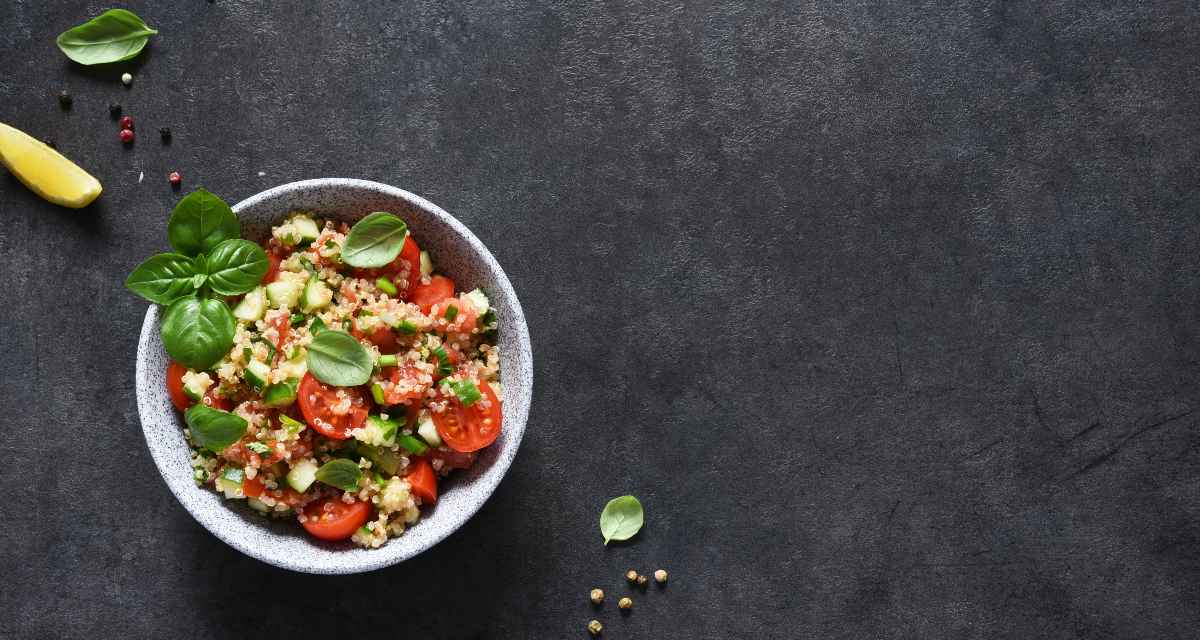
[339, 522]
[317, 401]
[175, 373]
[422, 480]
[472, 428]
[427, 295]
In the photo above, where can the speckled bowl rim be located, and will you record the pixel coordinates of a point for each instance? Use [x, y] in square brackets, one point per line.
[233, 531]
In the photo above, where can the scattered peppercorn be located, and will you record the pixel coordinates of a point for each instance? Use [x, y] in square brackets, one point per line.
[660, 576]
[126, 79]
[597, 596]
[126, 135]
[642, 581]
[165, 134]
[625, 604]
[174, 178]
[65, 99]
[631, 576]
[127, 122]
[114, 110]
[594, 627]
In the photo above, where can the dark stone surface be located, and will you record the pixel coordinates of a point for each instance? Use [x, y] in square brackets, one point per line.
[889, 314]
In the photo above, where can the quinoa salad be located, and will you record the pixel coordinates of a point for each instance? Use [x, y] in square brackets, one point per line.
[349, 391]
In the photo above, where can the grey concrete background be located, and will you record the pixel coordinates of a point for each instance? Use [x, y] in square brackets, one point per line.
[889, 312]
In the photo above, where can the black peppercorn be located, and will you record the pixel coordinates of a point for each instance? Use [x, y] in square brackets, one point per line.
[65, 99]
[165, 133]
[114, 110]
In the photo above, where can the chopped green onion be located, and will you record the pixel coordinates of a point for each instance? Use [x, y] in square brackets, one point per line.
[441, 354]
[387, 360]
[445, 368]
[406, 327]
[411, 444]
[258, 447]
[364, 530]
[296, 320]
[377, 394]
[451, 313]
[466, 391]
[487, 322]
[307, 264]
[292, 425]
[330, 244]
[386, 286]
[247, 354]
[270, 347]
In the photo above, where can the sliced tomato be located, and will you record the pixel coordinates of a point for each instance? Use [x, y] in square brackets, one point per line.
[427, 295]
[272, 268]
[411, 254]
[452, 459]
[339, 521]
[252, 487]
[317, 400]
[175, 373]
[382, 337]
[408, 383]
[283, 324]
[472, 428]
[422, 480]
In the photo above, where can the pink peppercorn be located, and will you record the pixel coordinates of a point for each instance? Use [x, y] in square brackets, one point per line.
[127, 122]
[126, 135]
[175, 178]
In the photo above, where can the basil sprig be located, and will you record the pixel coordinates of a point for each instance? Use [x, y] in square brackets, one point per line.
[374, 241]
[211, 262]
[339, 359]
[214, 429]
[115, 35]
[340, 473]
[621, 519]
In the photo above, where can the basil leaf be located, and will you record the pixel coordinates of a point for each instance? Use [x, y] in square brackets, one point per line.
[236, 266]
[340, 473]
[374, 241]
[214, 429]
[621, 519]
[112, 36]
[163, 278]
[198, 280]
[200, 222]
[337, 358]
[197, 332]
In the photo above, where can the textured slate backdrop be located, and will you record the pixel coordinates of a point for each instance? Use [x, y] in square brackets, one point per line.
[889, 313]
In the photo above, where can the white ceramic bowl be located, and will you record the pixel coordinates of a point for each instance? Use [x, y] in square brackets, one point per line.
[283, 543]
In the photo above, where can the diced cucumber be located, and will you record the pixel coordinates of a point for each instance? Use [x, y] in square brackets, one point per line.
[256, 374]
[253, 305]
[196, 384]
[426, 264]
[281, 394]
[292, 425]
[387, 428]
[427, 430]
[411, 444]
[385, 460]
[306, 228]
[284, 294]
[377, 394]
[297, 366]
[230, 482]
[477, 300]
[302, 474]
[316, 295]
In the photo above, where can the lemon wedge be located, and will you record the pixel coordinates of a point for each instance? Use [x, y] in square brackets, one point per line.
[46, 171]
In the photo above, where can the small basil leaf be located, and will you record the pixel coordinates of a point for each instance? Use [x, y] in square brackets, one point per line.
[200, 222]
[112, 36]
[236, 266]
[197, 332]
[621, 519]
[214, 429]
[340, 473]
[337, 358]
[374, 241]
[163, 278]
[198, 280]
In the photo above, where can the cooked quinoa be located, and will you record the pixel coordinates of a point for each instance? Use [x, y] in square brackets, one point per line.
[432, 401]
